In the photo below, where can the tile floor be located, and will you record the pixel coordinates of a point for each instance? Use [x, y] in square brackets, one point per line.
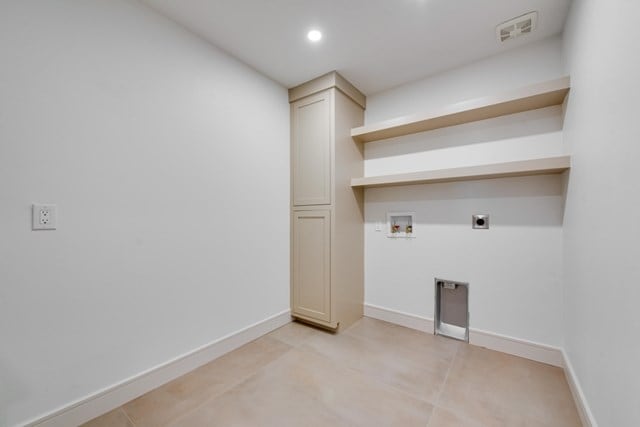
[372, 374]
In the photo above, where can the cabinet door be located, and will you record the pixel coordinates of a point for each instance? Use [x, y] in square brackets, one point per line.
[311, 287]
[311, 149]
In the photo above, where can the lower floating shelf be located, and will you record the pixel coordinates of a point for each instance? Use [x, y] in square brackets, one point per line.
[546, 165]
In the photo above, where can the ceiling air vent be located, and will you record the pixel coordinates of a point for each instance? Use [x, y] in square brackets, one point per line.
[517, 26]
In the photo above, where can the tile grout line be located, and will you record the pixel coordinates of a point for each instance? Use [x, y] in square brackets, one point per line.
[384, 385]
[297, 345]
[379, 381]
[444, 383]
[356, 371]
[234, 385]
[446, 409]
[126, 414]
[446, 377]
[433, 403]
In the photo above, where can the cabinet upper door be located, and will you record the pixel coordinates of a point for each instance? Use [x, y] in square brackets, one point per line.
[311, 279]
[311, 137]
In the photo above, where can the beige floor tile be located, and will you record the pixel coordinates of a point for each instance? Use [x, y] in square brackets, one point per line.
[164, 404]
[305, 388]
[374, 373]
[444, 418]
[354, 396]
[115, 418]
[498, 389]
[389, 334]
[411, 361]
[296, 334]
[381, 330]
[260, 401]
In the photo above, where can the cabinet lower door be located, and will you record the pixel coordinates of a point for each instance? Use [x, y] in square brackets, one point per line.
[311, 278]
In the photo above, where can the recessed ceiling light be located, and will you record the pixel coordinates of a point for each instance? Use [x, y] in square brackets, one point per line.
[314, 35]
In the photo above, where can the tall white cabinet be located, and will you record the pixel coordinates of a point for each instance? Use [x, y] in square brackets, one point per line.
[327, 214]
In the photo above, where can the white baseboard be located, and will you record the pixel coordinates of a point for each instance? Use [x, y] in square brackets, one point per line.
[586, 416]
[518, 347]
[407, 320]
[112, 397]
[104, 401]
[515, 346]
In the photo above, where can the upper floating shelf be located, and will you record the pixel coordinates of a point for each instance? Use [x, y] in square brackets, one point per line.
[545, 165]
[528, 98]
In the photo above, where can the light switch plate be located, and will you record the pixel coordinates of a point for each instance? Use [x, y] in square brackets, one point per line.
[44, 217]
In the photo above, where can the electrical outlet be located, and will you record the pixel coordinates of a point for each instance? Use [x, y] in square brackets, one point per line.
[44, 217]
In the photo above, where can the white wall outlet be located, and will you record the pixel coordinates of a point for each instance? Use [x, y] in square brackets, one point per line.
[44, 217]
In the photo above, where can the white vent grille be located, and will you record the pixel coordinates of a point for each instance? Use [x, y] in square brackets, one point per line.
[517, 26]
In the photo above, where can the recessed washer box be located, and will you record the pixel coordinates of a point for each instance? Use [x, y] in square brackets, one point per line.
[401, 224]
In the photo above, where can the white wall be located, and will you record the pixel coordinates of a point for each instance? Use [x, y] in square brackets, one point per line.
[514, 269]
[531, 63]
[169, 163]
[601, 226]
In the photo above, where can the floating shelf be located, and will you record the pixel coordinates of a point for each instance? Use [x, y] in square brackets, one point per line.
[528, 98]
[547, 165]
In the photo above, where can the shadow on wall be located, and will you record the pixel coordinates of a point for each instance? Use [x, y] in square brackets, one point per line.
[535, 201]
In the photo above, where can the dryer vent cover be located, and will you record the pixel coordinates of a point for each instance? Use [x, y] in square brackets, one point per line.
[517, 26]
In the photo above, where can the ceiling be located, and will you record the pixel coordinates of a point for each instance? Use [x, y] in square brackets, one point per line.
[375, 44]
